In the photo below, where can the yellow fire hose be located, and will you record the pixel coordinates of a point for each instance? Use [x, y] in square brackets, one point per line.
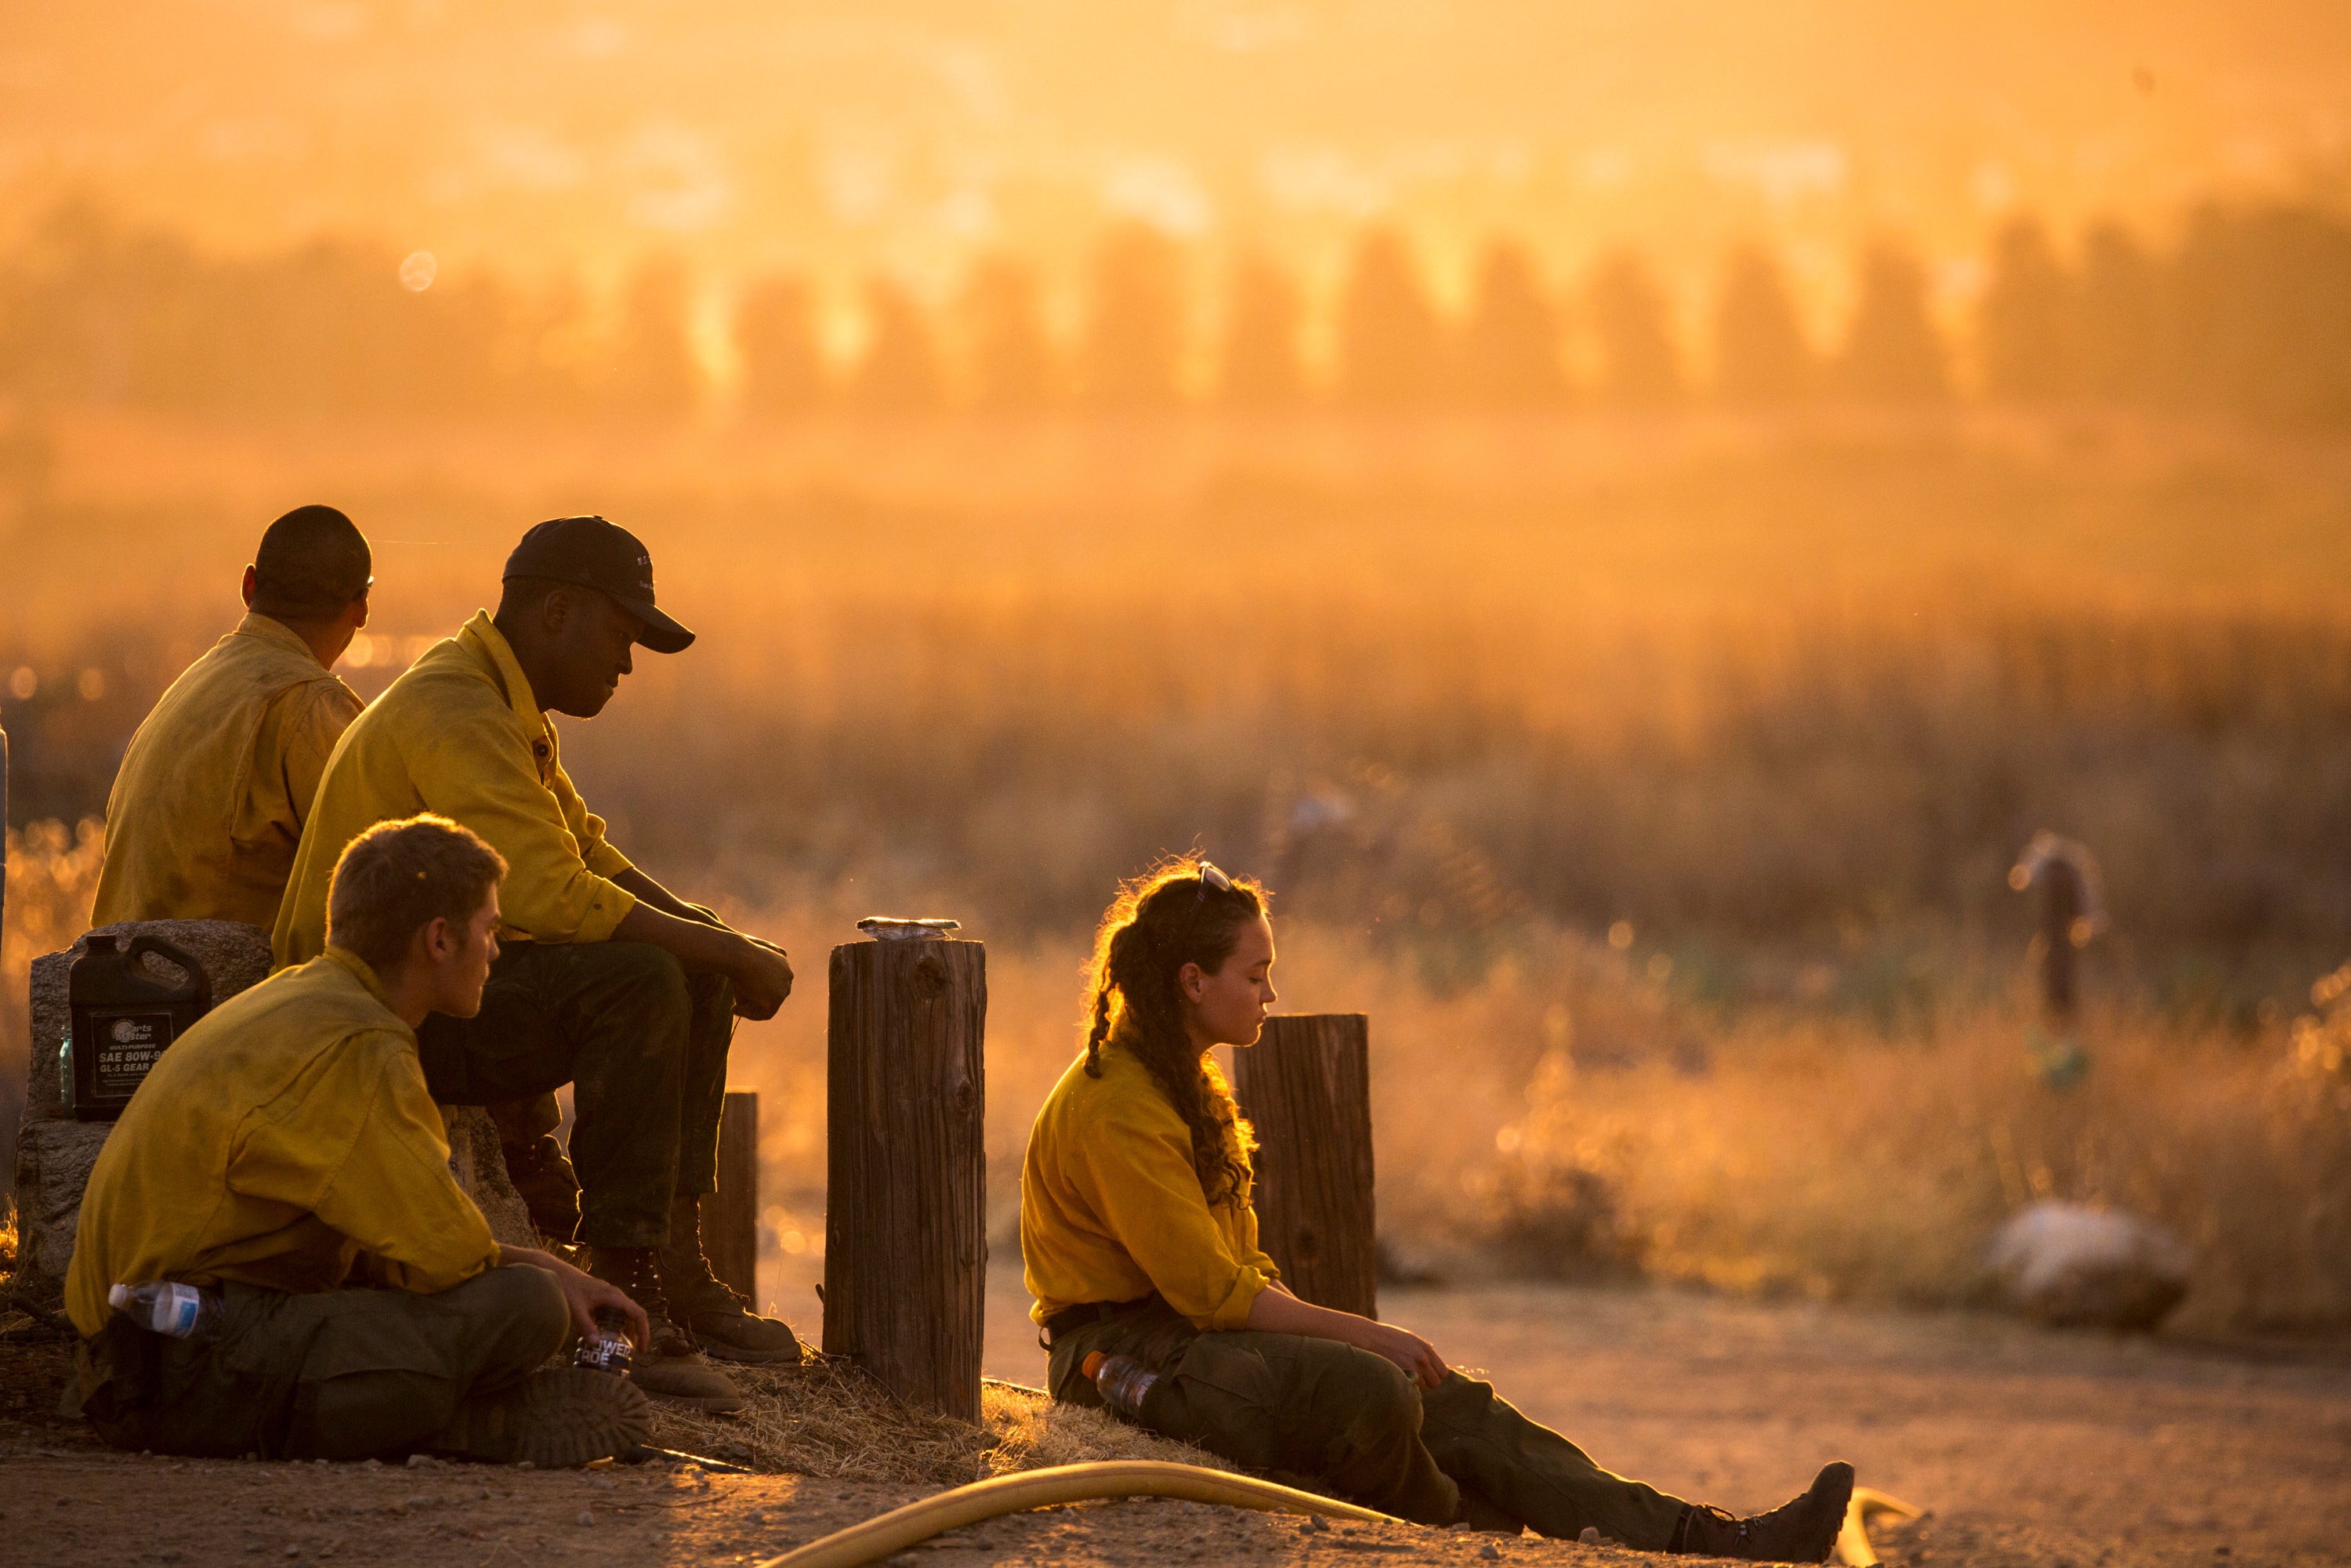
[903, 1527]
[1853, 1548]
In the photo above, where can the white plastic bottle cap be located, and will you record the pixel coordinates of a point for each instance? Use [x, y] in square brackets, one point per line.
[118, 1296]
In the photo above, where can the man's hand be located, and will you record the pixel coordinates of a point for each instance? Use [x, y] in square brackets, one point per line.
[583, 1293]
[761, 974]
[762, 978]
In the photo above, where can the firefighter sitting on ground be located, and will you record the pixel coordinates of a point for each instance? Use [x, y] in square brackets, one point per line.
[608, 982]
[210, 800]
[285, 1154]
[1139, 1240]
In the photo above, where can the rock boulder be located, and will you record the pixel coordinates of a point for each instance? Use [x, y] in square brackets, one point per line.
[2073, 1265]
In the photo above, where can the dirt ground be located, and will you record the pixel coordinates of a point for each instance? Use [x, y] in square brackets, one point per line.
[2027, 1448]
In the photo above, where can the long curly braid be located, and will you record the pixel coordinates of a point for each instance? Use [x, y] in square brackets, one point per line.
[1165, 918]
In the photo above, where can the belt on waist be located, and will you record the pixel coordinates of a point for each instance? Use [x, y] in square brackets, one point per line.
[1071, 1319]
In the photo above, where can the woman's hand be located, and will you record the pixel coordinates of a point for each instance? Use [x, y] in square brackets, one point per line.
[1276, 1311]
[1406, 1349]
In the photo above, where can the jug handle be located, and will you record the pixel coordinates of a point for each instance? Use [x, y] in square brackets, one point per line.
[195, 971]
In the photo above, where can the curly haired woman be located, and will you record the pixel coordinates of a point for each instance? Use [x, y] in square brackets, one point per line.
[1139, 1240]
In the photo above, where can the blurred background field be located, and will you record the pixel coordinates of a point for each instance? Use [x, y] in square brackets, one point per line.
[1651, 781]
[1627, 520]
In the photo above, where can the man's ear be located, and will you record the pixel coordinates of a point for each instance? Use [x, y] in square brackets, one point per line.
[250, 575]
[435, 940]
[555, 611]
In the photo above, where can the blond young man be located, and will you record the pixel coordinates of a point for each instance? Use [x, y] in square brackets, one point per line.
[285, 1154]
[208, 806]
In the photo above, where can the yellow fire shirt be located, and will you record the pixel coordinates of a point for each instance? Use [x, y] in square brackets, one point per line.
[208, 806]
[1111, 1209]
[461, 733]
[285, 1135]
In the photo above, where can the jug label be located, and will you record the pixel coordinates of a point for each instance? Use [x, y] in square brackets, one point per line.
[128, 1045]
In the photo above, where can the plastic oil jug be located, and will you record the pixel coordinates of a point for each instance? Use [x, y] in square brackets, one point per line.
[124, 1017]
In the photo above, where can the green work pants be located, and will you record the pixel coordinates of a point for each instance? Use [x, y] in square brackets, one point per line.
[643, 1044]
[1346, 1423]
[336, 1375]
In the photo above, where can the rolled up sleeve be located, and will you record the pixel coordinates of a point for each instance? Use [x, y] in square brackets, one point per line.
[1251, 1253]
[481, 778]
[1147, 1192]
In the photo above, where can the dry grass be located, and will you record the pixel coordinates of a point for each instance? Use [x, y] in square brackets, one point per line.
[1579, 1112]
[52, 878]
[825, 1419]
[1783, 699]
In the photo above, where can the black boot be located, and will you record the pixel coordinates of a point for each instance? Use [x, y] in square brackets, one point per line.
[1802, 1530]
[542, 1173]
[720, 1319]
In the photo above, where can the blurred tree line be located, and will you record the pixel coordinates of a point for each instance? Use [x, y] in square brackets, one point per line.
[2249, 313]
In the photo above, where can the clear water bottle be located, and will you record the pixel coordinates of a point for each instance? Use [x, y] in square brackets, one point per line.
[168, 1307]
[1123, 1381]
[607, 1349]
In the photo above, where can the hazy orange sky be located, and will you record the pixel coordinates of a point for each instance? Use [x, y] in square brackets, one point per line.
[911, 134]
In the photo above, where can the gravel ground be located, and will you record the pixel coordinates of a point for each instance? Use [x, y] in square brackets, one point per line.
[2028, 1448]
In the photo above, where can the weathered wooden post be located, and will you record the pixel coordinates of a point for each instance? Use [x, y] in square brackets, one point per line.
[730, 1230]
[2072, 913]
[2061, 906]
[906, 1248]
[1307, 1085]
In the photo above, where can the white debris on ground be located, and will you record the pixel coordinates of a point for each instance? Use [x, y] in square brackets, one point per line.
[2073, 1265]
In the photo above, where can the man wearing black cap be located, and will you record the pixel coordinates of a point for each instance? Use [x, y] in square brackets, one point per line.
[608, 981]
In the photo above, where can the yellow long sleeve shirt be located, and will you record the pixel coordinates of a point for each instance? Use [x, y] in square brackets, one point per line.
[285, 1135]
[1112, 1208]
[208, 805]
[460, 733]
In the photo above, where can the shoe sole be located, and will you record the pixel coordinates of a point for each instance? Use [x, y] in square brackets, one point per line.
[724, 1351]
[572, 1415]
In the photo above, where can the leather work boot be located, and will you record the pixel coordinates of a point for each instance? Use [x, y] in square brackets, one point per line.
[720, 1319]
[542, 1173]
[670, 1368]
[1800, 1530]
[555, 1418]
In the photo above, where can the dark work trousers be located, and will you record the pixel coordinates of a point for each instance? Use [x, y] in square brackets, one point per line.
[1334, 1420]
[338, 1375]
[642, 1043]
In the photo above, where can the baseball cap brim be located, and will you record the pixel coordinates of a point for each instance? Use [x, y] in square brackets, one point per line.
[662, 634]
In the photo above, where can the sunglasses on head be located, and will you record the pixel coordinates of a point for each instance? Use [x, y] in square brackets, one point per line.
[1209, 876]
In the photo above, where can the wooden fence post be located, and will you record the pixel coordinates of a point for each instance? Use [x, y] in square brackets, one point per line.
[1307, 1085]
[2072, 914]
[906, 1248]
[2061, 908]
[730, 1225]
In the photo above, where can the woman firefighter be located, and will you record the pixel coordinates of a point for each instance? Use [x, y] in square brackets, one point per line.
[1138, 1239]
